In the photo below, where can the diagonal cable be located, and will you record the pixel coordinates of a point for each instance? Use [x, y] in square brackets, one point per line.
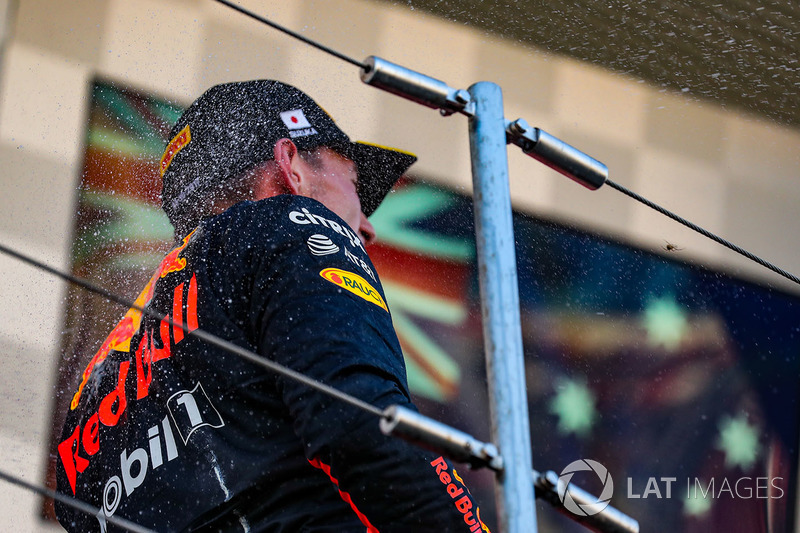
[367, 68]
[75, 503]
[396, 421]
[294, 34]
[703, 232]
[201, 334]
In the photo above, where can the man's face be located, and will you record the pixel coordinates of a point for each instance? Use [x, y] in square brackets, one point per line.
[332, 180]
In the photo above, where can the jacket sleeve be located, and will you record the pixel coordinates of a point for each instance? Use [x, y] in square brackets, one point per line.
[323, 313]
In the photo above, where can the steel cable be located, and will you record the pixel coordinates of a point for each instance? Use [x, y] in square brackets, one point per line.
[75, 503]
[703, 232]
[613, 185]
[294, 34]
[417, 429]
[200, 334]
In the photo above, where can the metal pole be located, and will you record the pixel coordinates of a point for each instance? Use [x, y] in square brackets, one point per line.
[497, 266]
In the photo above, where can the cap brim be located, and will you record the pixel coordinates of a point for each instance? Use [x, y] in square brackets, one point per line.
[379, 168]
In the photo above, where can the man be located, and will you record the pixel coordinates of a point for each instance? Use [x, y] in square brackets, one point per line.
[270, 202]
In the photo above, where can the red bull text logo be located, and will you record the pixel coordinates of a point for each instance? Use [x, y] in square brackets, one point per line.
[76, 451]
[178, 143]
[354, 284]
[463, 502]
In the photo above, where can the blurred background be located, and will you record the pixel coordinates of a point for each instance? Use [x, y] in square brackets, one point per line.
[648, 348]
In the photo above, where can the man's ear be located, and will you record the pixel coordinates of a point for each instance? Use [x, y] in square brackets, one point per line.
[287, 158]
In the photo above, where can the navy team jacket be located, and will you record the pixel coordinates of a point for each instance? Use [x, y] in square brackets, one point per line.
[177, 435]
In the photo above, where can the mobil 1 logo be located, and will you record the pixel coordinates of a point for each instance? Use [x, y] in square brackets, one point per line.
[189, 411]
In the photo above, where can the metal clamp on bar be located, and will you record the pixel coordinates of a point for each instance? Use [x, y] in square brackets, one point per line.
[598, 515]
[557, 154]
[441, 438]
[415, 86]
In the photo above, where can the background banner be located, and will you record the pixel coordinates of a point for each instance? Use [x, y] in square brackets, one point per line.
[681, 381]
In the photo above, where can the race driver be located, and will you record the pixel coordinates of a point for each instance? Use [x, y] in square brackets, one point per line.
[270, 201]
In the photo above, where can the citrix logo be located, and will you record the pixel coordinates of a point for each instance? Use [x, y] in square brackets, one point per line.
[306, 217]
[590, 508]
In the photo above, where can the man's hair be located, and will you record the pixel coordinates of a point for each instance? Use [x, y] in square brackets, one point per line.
[240, 188]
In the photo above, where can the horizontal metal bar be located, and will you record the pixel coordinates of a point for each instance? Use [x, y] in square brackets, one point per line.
[418, 429]
[414, 86]
[557, 154]
[550, 488]
[409, 425]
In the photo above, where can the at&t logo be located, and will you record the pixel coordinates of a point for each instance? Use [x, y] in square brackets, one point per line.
[585, 508]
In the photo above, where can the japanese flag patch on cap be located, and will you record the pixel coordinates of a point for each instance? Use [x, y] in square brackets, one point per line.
[295, 119]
